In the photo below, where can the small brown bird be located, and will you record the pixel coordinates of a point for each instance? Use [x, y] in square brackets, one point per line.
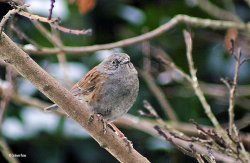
[109, 89]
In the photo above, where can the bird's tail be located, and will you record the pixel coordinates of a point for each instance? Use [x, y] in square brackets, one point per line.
[51, 108]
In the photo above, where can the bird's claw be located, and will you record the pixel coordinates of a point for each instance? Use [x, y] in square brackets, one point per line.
[100, 118]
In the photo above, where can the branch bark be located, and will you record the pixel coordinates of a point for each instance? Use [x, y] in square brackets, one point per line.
[78, 111]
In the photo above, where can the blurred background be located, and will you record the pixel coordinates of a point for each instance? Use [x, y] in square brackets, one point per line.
[49, 138]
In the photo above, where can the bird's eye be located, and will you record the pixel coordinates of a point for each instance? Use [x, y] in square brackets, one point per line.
[115, 62]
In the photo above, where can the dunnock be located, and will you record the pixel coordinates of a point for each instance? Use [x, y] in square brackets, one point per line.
[109, 89]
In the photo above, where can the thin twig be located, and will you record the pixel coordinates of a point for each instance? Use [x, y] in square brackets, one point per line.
[146, 56]
[54, 23]
[51, 8]
[22, 35]
[226, 83]
[160, 96]
[71, 31]
[193, 21]
[152, 111]
[196, 85]
[37, 17]
[172, 65]
[54, 38]
[233, 93]
[46, 34]
[9, 14]
[62, 59]
[217, 12]
[233, 132]
[29, 101]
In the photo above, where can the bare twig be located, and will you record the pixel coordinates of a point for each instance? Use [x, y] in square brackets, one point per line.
[233, 132]
[227, 84]
[53, 23]
[8, 15]
[233, 93]
[61, 58]
[196, 85]
[146, 58]
[37, 17]
[193, 21]
[54, 38]
[172, 65]
[22, 35]
[152, 112]
[71, 31]
[217, 12]
[160, 96]
[51, 9]
[63, 98]
[47, 34]
[29, 101]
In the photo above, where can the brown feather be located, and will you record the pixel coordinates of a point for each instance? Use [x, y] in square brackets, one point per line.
[89, 86]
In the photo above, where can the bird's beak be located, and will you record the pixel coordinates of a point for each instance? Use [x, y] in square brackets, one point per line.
[125, 61]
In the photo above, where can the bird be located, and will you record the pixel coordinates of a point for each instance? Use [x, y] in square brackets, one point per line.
[109, 89]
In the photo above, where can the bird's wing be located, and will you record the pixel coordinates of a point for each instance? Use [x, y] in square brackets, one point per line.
[89, 86]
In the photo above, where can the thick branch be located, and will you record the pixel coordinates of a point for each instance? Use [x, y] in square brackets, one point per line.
[30, 70]
[193, 21]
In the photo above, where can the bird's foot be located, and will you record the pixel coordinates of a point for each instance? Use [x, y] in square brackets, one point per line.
[100, 118]
[121, 135]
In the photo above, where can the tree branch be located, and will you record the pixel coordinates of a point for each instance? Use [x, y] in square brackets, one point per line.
[196, 86]
[193, 21]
